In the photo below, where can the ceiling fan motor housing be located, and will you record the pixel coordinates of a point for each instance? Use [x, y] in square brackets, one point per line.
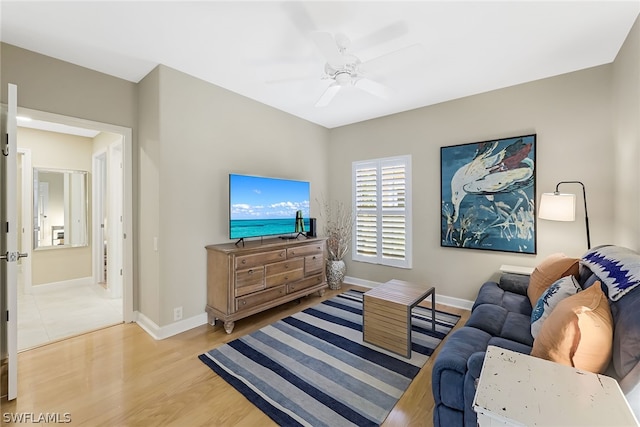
[343, 78]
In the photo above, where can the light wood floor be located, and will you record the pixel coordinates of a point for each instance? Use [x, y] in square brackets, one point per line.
[120, 376]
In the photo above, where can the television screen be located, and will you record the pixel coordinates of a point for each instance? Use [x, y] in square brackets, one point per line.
[260, 206]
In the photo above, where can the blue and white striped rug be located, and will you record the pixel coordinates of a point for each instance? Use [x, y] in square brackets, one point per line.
[313, 369]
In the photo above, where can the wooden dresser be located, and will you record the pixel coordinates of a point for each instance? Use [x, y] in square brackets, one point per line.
[244, 280]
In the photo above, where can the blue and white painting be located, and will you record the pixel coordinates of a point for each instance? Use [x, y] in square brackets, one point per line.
[488, 195]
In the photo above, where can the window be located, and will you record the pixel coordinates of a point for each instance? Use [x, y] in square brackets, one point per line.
[382, 200]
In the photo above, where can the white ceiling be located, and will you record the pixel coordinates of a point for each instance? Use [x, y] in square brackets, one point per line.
[28, 122]
[247, 47]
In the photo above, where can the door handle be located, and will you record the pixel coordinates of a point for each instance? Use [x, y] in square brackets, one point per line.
[13, 256]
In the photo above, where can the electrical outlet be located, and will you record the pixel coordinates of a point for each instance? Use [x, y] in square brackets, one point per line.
[177, 313]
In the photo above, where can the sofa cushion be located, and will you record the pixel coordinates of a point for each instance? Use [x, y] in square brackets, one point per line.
[616, 266]
[517, 327]
[548, 271]
[515, 283]
[491, 293]
[500, 322]
[626, 332]
[578, 332]
[450, 367]
[510, 345]
[489, 318]
[561, 289]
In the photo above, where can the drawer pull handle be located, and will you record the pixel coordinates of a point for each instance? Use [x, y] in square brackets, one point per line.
[244, 302]
[244, 261]
[293, 253]
[314, 257]
[281, 254]
[286, 266]
[250, 271]
[293, 288]
[286, 277]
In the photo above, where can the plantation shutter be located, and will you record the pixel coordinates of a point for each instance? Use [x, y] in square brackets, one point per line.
[382, 206]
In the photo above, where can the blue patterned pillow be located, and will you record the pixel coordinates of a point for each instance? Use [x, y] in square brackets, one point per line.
[617, 267]
[559, 290]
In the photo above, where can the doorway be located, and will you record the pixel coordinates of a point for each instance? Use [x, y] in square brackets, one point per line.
[81, 299]
[107, 217]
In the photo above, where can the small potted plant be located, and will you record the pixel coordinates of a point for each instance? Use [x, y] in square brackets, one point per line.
[338, 224]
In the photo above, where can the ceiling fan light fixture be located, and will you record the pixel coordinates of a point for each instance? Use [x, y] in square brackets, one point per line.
[346, 69]
[343, 78]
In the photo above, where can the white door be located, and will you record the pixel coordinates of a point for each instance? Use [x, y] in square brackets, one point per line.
[9, 240]
[115, 231]
[99, 194]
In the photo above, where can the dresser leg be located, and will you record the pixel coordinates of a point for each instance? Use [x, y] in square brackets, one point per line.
[321, 292]
[228, 326]
[211, 319]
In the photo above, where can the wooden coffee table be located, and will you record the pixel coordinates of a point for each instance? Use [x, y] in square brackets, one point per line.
[387, 314]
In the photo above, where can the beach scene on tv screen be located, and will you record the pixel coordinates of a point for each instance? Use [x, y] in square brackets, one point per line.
[262, 206]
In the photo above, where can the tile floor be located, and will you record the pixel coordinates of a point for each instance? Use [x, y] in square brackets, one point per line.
[54, 312]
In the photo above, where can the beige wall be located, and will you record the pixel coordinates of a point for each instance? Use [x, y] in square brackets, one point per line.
[570, 115]
[192, 135]
[626, 133]
[55, 86]
[148, 291]
[53, 150]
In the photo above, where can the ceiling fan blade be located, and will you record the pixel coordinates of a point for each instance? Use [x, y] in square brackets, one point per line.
[372, 87]
[286, 80]
[328, 95]
[401, 58]
[382, 35]
[328, 47]
[299, 16]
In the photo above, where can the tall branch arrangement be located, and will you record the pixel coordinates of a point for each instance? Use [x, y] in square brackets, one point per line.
[338, 224]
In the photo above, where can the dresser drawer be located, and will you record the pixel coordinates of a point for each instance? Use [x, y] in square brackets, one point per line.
[249, 301]
[313, 264]
[247, 261]
[283, 266]
[284, 272]
[305, 283]
[300, 251]
[250, 280]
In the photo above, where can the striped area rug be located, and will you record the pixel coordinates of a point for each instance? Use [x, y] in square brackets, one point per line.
[313, 369]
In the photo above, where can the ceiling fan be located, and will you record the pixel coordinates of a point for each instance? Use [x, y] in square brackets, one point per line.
[345, 69]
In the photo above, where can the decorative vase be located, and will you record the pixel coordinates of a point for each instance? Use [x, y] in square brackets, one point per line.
[335, 273]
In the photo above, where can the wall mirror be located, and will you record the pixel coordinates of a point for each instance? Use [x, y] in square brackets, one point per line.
[59, 208]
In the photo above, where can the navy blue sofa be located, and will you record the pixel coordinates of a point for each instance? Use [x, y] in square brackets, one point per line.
[501, 316]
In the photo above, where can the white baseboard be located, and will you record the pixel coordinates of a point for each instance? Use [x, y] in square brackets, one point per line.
[440, 299]
[454, 302]
[162, 332]
[361, 282]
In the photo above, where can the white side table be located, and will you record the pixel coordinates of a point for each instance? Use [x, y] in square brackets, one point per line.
[516, 389]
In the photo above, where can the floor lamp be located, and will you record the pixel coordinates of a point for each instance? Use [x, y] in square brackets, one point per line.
[562, 207]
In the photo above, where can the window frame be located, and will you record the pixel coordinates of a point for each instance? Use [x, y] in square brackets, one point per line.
[380, 211]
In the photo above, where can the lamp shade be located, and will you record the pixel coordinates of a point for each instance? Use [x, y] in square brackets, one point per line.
[558, 207]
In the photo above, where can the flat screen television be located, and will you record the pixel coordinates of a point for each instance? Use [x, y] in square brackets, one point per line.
[262, 206]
